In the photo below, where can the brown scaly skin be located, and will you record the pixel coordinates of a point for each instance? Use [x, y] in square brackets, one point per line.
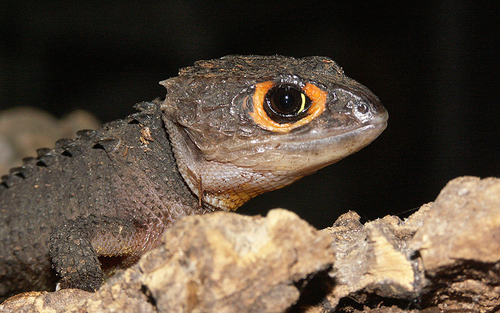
[228, 130]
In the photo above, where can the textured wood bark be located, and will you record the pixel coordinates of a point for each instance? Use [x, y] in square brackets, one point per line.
[443, 258]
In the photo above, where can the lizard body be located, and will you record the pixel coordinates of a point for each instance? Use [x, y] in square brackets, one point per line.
[228, 130]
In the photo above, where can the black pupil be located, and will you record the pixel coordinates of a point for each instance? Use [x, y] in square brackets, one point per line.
[286, 101]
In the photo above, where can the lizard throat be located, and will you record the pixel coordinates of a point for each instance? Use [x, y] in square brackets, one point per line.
[227, 186]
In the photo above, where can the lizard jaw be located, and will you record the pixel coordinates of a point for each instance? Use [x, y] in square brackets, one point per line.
[228, 185]
[306, 157]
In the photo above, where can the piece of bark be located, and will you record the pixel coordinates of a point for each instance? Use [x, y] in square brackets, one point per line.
[443, 258]
[221, 262]
[236, 264]
[372, 261]
[459, 246]
[462, 225]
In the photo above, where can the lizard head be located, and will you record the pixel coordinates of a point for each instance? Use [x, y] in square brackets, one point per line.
[243, 125]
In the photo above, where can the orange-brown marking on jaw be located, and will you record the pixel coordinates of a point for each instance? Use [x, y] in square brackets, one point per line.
[233, 199]
[260, 117]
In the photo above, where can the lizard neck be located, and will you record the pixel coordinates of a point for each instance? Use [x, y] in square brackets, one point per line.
[156, 152]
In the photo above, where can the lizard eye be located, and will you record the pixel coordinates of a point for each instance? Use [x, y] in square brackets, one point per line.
[286, 102]
[281, 107]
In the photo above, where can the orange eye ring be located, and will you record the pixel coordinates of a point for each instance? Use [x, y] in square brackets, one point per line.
[260, 117]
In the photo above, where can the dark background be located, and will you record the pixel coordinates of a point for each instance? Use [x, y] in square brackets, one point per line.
[434, 65]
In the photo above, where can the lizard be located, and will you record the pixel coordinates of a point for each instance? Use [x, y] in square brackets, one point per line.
[228, 129]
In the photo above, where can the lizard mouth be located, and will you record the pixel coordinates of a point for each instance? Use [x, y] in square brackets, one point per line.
[316, 151]
[314, 137]
[296, 154]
